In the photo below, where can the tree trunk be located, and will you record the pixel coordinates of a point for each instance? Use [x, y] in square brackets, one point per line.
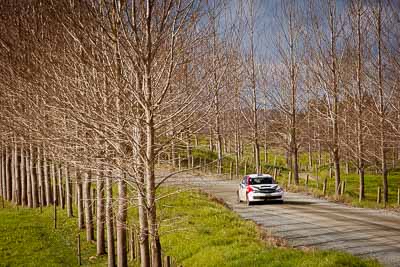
[79, 191]
[88, 206]
[241, 146]
[360, 96]
[16, 174]
[100, 238]
[28, 181]
[13, 175]
[256, 147]
[3, 174]
[293, 85]
[210, 140]
[310, 158]
[149, 172]
[68, 191]
[144, 230]
[47, 184]
[173, 154]
[40, 178]
[109, 221]
[54, 183]
[24, 201]
[236, 164]
[337, 171]
[8, 174]
[382, 113]
[295, 165]
[188, 151]
[137, 135]
[224, 146]
[122, 256]
[60, 186]
[150, 191]
[335, 96]
[34, 181]
[384, 166]
[265, 153]
[309, 130]
[219, 151]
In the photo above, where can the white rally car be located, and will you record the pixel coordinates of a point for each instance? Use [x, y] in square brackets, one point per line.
[259, 187]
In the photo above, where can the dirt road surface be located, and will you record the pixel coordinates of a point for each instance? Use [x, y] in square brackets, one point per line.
[306, 221]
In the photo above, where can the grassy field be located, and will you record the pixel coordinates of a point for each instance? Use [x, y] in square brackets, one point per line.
[372, 182]
[196, 231]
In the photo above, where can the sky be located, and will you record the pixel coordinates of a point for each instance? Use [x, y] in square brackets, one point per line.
[268, 16]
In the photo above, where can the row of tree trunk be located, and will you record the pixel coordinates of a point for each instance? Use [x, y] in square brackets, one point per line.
[30, 178]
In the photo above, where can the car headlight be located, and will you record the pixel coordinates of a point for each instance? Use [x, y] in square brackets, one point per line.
[279, 189]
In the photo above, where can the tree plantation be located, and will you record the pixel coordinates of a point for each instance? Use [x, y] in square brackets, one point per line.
[103, 101]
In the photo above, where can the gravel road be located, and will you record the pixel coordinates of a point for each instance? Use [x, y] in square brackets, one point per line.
[306, 221]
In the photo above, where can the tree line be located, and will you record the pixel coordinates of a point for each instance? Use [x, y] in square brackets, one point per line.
[324, 80]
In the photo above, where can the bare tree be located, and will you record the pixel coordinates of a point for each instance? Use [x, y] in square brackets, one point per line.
[381, 105]
[357, 13]
[289, 45]
[250, 94]
[326, 67]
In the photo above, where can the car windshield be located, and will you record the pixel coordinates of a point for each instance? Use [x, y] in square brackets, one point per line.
[261, 180]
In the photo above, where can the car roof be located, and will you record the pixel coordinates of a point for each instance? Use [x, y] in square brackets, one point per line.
[259, 175]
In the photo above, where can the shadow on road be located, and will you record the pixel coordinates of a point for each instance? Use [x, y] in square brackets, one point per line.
[286, 202]
[298, 202]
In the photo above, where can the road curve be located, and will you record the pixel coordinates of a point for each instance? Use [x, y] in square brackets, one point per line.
[310, 222]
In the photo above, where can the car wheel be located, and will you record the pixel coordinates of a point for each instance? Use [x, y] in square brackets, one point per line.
[248, 202]
[280, 201]
[238, 197]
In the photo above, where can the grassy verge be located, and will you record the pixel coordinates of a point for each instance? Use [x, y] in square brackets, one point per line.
[372, 182]
[28, 238]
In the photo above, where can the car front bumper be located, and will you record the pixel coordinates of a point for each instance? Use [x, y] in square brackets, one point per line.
[255, 196]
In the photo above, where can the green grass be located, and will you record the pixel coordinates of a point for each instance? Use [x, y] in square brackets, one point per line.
[372, 182]
[28, 238]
